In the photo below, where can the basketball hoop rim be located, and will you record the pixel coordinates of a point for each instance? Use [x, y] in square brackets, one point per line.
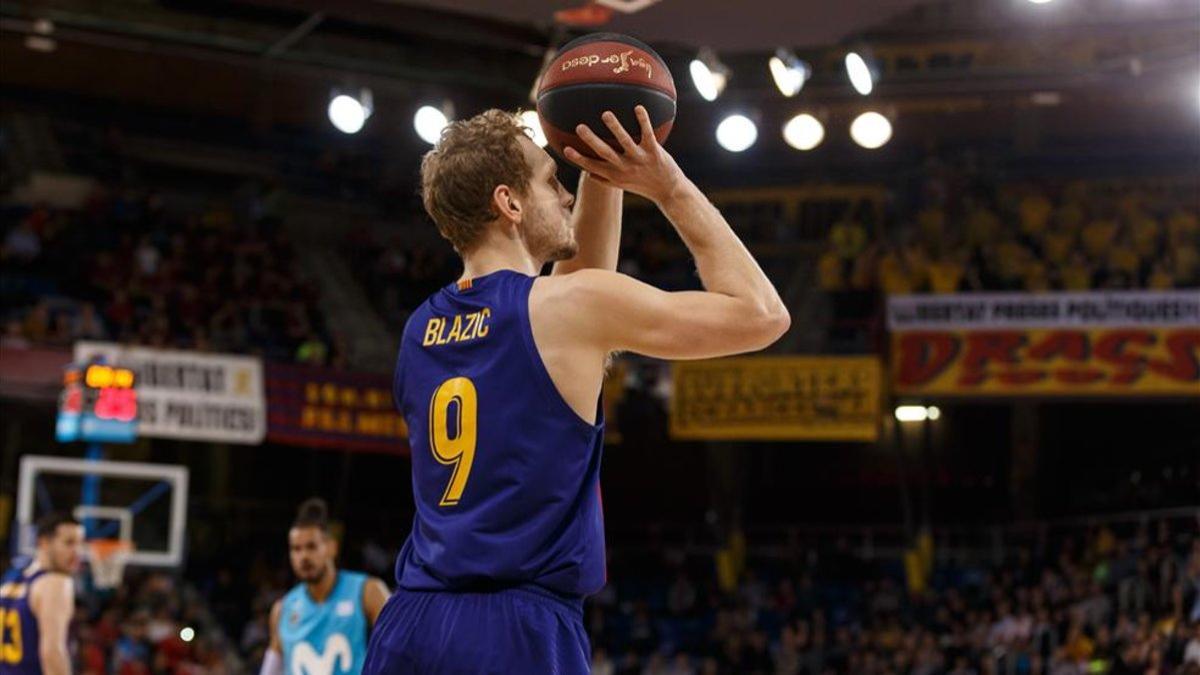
[102, 549]
[107, 558]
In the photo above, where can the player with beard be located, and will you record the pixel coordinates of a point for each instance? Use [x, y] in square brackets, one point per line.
[320, 627]
[37, 601]
[499, 377]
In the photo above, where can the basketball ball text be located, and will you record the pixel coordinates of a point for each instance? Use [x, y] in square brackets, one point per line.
[623, 62]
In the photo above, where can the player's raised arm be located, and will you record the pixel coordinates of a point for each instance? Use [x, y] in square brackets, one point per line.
[53, 602]
[738, 311]
[273, 658]
[615, 312]
[596, 220]
[375, 594]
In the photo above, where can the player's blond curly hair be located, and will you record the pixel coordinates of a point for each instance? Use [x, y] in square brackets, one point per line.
[458, 176]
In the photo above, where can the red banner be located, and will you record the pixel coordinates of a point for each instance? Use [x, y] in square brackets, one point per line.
[1163, 361]
[325, 408]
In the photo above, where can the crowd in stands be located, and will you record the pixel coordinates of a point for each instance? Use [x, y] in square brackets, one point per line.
[1023, 237]
[400, 269]
[135, 267]
[1109, 600]
[151, 624]
[1059, 606]
[403, 267]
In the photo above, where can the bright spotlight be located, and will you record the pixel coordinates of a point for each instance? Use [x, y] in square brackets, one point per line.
[349, 114]
[933, 412]
[736, 133]
[187, 634]
[708, 74]
[1040, 2]
[38, 43]
[911, 413]
[429, 122]
[871, 130]
[530, 119]
[803, 132]
[860, 74]
[789, 72]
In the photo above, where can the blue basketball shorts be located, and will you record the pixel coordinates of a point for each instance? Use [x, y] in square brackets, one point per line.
[515, 630]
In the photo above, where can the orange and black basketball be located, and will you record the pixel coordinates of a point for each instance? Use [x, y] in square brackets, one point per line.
[599, 72]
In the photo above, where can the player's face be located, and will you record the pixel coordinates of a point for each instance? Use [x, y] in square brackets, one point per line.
[547, 225]
[311, 552]
[64, 550]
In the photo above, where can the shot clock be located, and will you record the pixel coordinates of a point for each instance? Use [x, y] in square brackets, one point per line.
[98, 405]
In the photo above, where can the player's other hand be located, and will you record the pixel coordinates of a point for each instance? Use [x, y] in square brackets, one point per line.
[643, 168]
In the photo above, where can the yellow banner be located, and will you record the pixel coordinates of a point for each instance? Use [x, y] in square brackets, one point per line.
[816, 398]
[1154, 361]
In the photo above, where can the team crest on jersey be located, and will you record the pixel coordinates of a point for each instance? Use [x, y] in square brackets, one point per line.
[337, 652]
[344, 608]
[294, 617]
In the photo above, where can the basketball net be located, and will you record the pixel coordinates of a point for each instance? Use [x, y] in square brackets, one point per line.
[107, 558]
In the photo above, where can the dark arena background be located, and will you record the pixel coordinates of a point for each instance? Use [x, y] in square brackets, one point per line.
[975, 451]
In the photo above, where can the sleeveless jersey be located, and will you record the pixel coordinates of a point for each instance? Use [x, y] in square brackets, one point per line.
[329, 638]
[18, 626]
[506, 476]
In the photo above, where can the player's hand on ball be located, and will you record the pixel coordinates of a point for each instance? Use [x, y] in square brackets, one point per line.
[643, 168]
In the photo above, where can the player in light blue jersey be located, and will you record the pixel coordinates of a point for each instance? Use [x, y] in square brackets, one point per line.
[320, 627]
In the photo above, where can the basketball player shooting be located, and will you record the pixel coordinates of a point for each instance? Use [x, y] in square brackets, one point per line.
[320, 627]
[37, 602]
[499, 378]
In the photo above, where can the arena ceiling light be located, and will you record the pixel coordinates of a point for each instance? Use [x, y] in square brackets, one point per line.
[861, 75]
[627, 6]
[530, 119]
[41, 41]
[736, 133]
[709, 75]
[803, 132]
[871, 130]
[429, 122]
[789, 72]
[917, 413]
[347, 113]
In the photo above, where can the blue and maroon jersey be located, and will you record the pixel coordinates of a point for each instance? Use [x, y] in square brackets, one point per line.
[506, 476]
[18, 625]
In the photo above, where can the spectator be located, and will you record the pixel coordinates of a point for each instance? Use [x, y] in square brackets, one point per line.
[946, 274]
[1077, 275]
[312, 351]
[831, 271]
[38, 327]
[848, 238]
[14, 335]
[601, 664]
[1098, 238]
[87, 325]
[1035, 212]
[22, 244]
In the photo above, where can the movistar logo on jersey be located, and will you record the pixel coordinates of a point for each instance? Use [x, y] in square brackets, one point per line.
[337, 652]
[326, 638]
